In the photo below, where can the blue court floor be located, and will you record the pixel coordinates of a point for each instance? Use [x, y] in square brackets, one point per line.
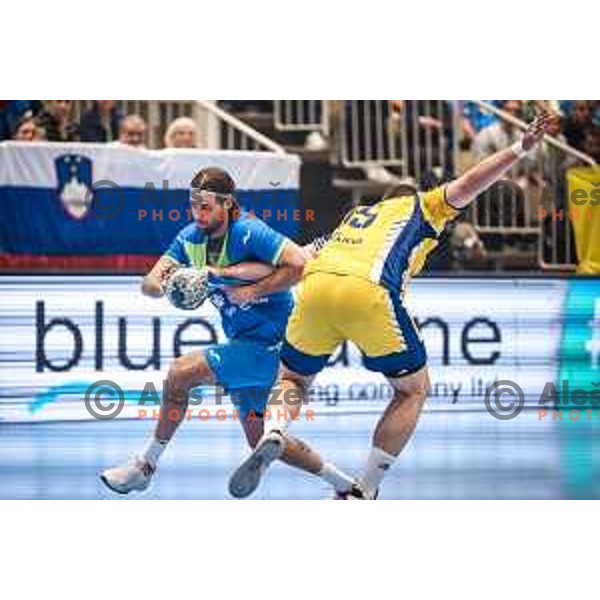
[453, 455]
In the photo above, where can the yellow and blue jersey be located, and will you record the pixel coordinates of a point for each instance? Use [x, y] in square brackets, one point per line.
[388, 242]
[353, 289]
[247, 239]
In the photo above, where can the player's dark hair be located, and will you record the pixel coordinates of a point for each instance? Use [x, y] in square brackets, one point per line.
[402, 189]
[218, 181]
[395, 191]
[214, 180]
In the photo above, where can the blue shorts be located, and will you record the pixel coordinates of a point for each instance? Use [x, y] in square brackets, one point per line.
[247, 371]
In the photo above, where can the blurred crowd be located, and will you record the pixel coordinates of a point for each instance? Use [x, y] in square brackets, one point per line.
[577, 124]
[103, 122]
[430, 135]
[420, 143]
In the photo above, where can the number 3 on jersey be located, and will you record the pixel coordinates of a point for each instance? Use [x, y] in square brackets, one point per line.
[362, 217]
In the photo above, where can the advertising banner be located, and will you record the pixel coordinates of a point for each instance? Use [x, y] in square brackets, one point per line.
[59, 335]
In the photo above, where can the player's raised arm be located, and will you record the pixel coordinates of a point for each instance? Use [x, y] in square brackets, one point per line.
[153, 282]
[463, 190]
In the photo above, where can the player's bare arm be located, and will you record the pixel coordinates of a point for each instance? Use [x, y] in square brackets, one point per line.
[246, 271]
[153, 282]
[463, 190]
[254, 271]
[287, 273]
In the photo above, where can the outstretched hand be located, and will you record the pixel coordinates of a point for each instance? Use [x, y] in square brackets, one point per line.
[536, 130]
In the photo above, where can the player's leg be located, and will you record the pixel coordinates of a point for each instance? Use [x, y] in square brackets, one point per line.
[395, 428]
[311, 338]
[293, 388]
[293, 451]
[391, 345]
[310, 341]
[185, 373]
[287, 398]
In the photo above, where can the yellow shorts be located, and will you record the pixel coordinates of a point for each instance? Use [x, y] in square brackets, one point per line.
[331, 309]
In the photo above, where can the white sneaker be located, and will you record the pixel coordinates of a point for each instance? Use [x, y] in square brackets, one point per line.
[134, 476]
[247, 476]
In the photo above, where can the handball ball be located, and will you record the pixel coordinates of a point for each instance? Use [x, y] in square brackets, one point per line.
[187, 288]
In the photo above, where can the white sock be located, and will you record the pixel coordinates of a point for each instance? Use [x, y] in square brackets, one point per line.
[273, 424]
[377, 465]
[280, 414]
[153, 450]
[338, 479]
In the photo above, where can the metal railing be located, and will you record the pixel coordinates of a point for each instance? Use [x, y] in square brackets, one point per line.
[512, 207]
[226, 132]
[301, 115]
[418, 137]
[367, 134]
[429, 135]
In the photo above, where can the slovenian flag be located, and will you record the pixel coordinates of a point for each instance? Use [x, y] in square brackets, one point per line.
[83, 206]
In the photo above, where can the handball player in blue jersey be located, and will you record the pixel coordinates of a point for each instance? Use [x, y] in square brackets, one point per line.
[236, 247]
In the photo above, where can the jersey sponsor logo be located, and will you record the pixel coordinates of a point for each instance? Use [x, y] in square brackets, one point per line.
[342, 239]
[214, 355]
[218, 299]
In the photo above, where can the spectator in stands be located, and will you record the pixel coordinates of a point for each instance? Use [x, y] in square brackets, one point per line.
[499, 134]
[101, 122]
[554, 160]
[578, 121]
[57, 120]
[591, 144]
[466, 247]
[27, 130]
[515, 207]
[595, 112]
[182, 133]
[11, 113]
[474, 119]
[132, 131]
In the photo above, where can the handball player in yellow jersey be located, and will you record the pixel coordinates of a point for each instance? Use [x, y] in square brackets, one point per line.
[353, 290]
